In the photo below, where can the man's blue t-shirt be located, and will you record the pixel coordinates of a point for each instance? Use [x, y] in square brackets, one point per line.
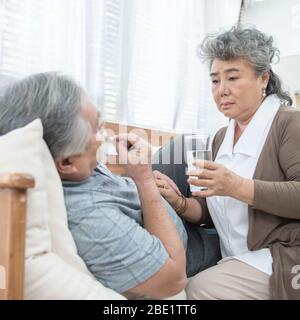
[106, 221]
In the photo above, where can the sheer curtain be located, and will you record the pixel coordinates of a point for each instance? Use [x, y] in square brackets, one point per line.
[42, 35]
[136, 58]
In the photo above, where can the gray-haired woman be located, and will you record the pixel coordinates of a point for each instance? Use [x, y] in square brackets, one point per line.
[253, 185]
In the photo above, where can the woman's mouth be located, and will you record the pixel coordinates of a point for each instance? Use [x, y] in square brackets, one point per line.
[226, 105]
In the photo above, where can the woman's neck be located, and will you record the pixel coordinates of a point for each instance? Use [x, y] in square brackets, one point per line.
[238, 130]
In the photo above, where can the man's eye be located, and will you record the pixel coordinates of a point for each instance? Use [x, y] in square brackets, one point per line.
[232, 78]
[214, 81]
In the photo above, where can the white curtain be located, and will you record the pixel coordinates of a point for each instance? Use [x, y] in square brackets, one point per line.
[136, 58]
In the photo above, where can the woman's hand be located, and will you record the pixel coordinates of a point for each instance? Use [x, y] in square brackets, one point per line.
[221, 181]
[167, 187]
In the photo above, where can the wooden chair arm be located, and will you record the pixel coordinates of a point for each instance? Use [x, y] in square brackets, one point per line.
[13, 188]
[16, 181]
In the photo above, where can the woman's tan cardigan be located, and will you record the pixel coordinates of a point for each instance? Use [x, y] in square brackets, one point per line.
[274, 218]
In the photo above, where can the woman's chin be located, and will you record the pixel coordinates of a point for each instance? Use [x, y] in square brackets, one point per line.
[228, 113]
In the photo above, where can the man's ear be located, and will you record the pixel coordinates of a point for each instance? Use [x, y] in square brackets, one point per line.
[65, 167]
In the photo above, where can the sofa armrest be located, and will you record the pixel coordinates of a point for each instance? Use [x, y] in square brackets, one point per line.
[13, 188]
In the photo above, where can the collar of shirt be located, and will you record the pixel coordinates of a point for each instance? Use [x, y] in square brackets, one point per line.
[249, 142]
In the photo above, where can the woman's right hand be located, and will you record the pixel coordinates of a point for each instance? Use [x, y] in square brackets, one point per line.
[167, 187]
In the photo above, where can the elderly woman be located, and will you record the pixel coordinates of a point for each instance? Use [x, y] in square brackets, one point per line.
[253, 186]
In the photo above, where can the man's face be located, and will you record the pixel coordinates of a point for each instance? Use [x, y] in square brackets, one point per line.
[87, 161]
[80, 167]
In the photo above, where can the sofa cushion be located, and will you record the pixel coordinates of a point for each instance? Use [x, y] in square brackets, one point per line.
[53, 269]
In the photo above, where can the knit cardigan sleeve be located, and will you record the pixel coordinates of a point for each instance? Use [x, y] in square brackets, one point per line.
[282, 198]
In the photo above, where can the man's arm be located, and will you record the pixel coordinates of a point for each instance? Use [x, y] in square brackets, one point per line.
[119, 252]
[171, 278]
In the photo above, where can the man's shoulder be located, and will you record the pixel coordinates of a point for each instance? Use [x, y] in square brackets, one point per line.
[82, 184]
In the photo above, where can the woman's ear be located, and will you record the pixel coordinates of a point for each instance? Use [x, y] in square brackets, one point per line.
[265, 78]
[65, 167]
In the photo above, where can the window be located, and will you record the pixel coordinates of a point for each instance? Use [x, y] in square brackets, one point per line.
[136, 59]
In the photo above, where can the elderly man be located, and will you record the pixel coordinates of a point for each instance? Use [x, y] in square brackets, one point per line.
[129, 237]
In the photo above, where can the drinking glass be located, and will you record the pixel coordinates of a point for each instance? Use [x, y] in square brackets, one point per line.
[197, 147]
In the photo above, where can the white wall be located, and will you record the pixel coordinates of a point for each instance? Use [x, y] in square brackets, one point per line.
[289, 71]
[281, 19]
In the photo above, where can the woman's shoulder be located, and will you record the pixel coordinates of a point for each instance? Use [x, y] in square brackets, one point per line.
[218, 139]
[219, 136]
[287, 117]
[286, 125]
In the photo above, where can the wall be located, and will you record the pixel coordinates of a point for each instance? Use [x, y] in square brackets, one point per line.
[279, 18]
[282, 20]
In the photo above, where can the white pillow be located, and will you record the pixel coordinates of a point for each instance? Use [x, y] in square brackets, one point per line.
[53, 269]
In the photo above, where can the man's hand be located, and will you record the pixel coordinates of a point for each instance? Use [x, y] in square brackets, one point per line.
[135, 154]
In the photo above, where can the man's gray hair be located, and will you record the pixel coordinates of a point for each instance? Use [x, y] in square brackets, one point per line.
[57, 101]
[251, 45]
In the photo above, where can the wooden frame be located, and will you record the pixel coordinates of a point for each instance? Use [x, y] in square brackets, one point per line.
[13, 189]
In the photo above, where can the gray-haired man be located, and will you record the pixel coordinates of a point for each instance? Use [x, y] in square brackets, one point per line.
[129, 237]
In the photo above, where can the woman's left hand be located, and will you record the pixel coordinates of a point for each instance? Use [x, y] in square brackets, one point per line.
[218, 180]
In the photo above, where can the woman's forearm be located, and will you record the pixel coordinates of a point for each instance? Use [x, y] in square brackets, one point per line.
[193, 213]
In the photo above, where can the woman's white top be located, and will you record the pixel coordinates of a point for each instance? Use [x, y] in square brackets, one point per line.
[230, 216]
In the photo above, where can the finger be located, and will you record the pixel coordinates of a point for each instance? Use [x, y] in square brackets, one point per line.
[205, 164]
[203, 194]
[164, 192]
[194, 172]
[162, 184]
[173, 185]
[158, 175]
[206, 174]
[127, 139]
[131, 137]
[200, 182]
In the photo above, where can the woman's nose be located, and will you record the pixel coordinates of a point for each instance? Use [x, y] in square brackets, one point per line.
[223, 88]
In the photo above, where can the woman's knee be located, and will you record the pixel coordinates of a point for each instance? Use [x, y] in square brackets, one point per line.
[200, 287]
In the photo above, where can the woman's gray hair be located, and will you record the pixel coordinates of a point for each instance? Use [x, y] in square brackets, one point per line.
[57, 101]
[251, 45]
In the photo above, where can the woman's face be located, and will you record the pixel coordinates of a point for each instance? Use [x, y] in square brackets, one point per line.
[236, 88]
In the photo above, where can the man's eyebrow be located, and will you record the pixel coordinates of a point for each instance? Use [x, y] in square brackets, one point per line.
[213, 74]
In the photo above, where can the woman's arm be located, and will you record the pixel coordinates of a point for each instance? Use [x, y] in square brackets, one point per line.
[195, 210]
[280, 198]
[283, 198]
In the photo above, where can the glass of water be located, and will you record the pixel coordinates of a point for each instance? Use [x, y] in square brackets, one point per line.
[197, 147]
